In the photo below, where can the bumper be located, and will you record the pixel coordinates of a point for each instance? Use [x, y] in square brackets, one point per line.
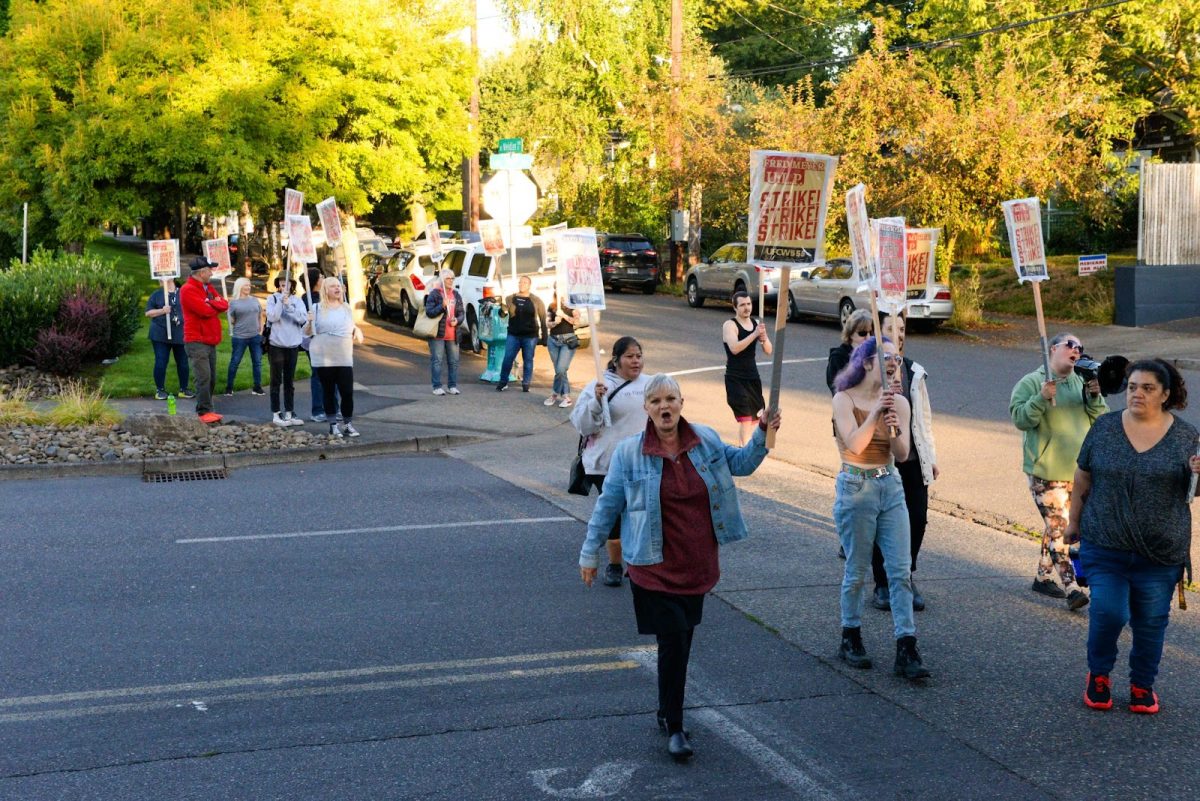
[930, 309]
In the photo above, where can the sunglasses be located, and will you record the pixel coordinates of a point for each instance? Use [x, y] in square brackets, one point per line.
[861, 334]
[892, 357]
[1072, 344]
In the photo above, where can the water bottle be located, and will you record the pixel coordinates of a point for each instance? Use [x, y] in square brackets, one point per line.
[1073, 553]
[170, 404]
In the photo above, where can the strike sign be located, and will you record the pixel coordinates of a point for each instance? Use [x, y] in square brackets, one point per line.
[891, 260]
[164, 258]
[580, 261]
[300, 239]
[922, 259]
[293, 202]
[331, 223]
[1024, 220]
[789, 197]
[858, 226]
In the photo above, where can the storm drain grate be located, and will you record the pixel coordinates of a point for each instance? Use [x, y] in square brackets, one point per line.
[215, 474]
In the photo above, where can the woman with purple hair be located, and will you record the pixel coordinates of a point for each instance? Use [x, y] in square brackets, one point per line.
[869, 507]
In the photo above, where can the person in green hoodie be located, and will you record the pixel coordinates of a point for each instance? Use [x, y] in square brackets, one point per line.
[1055, 413]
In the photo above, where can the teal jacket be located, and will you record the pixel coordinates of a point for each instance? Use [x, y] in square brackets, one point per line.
[631, 493]
[1054, 434]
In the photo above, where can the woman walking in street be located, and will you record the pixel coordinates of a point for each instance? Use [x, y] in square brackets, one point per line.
[331, 326]
[562, 344]
[624, 385]
[741, 335]
[526, 329]
[245, 332]
[869, 505]
[1130, 509]
[672, 486]
[286, 316]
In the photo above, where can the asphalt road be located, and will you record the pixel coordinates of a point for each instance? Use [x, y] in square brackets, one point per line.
[421, 634]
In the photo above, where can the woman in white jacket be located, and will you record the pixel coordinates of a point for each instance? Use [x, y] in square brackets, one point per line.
[917, 472]
[625, 387]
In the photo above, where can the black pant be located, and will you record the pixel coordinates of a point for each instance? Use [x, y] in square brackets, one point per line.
[338, 382]
[916, 497]
[598, 482]
[283, 371]
[673, 652]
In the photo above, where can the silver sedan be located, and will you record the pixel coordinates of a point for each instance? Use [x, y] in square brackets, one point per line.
[832, 292]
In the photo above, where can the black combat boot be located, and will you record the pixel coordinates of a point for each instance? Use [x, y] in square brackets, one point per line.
[908, 661]
[851, 650]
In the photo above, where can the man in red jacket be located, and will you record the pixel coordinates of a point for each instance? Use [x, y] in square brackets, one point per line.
[202, 310]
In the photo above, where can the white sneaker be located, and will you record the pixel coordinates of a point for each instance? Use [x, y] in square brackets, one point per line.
[566, 402]
[439, 391]
[454, 391]
[350, 431]
[292, 420]
[334, 432]
[550, 401]
[277, 420]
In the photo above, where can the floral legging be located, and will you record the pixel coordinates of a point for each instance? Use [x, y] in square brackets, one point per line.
[1053, 499]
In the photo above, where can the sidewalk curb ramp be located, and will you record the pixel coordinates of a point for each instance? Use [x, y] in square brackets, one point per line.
[228, 461]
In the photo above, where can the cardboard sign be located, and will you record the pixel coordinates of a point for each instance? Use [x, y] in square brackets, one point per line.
[300, 239]
[434, 237]
[164, 258]
[891, 261]
[331, 222]
[921, 244]
[1093, 264]
[580, 259]
[217, 251]
[1024, 220]
[789, 197]
[858, 226]
[550, 260]
[492, 237]
[293, 202]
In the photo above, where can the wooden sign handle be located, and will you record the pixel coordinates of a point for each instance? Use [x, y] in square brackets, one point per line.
[1041, 323]
[785, 278]
[878, 329]
[592, 324]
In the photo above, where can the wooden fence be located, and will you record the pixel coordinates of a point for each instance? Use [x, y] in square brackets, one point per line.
[1169, 214]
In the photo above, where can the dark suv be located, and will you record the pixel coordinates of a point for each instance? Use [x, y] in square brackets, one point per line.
[628, 260]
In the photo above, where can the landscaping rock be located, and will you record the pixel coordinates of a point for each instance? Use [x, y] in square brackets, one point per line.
[165, 427]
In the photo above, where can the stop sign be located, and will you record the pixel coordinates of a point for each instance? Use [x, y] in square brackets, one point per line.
[509, 195]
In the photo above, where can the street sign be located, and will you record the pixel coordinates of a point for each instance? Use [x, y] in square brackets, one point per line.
[510, 161]
[510, 196]
[1093, 264]
[512, 146]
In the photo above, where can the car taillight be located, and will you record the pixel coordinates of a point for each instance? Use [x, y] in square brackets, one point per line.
[651, 253]
[417, 285]
[942, 295]
[608, 268]
[610, 252]
[758, 268]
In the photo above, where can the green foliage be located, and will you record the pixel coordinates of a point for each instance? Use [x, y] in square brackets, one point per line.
[31, 294]
[79, 404]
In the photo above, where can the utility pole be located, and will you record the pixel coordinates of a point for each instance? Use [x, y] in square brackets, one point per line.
[676, 138]
[470, 165]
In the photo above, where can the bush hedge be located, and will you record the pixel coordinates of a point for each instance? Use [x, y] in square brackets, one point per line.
[32, 294]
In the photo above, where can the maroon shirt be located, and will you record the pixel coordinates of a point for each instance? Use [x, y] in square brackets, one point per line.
[689, 550]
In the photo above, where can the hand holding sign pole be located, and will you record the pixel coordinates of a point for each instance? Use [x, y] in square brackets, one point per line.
[1024, 220]
[164, 265]
[789, 198]
[891, 251]
[862, 254]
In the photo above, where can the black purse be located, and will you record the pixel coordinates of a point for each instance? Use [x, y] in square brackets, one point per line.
[579, 481]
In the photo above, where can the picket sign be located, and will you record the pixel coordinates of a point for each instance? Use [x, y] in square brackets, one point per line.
[1024, 220]
[579, 261]
[164, 264]
[789, 199]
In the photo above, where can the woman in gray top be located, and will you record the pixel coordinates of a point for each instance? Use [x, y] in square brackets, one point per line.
[1130, 509]
[245, 331]
[331, 325]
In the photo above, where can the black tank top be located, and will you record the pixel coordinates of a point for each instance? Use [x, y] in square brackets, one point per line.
[741, 365]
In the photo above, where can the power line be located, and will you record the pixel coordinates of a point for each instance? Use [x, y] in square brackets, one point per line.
[811, 65]
[812, 22]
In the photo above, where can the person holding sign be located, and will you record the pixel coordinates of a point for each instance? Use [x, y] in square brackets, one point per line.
[164, 302]
[286, 316]
[1053, 413]
[1130, 509]
[202, 310]
[869, 505]
[743, 385]
[672, 488]
[331, 326]
[562, 344]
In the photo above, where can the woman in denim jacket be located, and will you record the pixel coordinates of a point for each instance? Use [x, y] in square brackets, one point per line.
[672, 489]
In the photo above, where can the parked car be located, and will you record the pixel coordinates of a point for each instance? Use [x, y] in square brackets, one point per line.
[399, 287]
[832, 292]
[628, 260]
[726, 271]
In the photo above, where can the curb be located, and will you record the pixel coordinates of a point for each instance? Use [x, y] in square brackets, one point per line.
[229, 461]
[1187, 364]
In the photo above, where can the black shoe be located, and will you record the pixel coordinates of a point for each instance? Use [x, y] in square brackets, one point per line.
[918, 598]
[678, 747]
[662, 722]
[1049, 588]
[257, 391]
[501, 387]
[612, 576]
[908, 661]
[841, 552]
[881, 599]
[524, 387]
[1077, 600]
[851, 651]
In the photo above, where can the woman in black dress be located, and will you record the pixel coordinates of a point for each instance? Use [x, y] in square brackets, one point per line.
[743, 386]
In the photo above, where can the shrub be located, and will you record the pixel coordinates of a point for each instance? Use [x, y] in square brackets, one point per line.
[86, 316]
[81, 405]
[968, 300]
[16, 410]
[32, 294]
[60, 352]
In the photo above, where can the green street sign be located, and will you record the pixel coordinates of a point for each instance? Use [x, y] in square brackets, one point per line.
[510, 161]
[512, 146]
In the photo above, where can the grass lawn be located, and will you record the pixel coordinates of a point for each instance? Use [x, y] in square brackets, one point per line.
[133, 374]
[1066, 296]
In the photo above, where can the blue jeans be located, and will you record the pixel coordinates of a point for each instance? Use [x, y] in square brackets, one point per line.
[526, 346]
[870, 512]
[254, 343]
[560, 357]
[318, 391]
[1127, 588]
[443, 350]
[162, 354]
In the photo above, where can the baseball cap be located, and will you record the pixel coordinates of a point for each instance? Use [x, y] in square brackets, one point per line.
[200, 262]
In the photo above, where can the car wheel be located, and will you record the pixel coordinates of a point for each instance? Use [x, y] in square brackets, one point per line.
[845, 309]
[792, 313]
[694, 299]
[740, 287]
[649, 289]
[408, 314]
[473, 331]
[373, 307]
[926, 326]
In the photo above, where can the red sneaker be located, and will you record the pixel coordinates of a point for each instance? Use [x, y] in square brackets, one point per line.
[1098, 694]
[1143, 702]
[210, 417]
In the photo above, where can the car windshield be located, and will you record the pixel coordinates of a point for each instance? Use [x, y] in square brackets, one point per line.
[628, 245]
